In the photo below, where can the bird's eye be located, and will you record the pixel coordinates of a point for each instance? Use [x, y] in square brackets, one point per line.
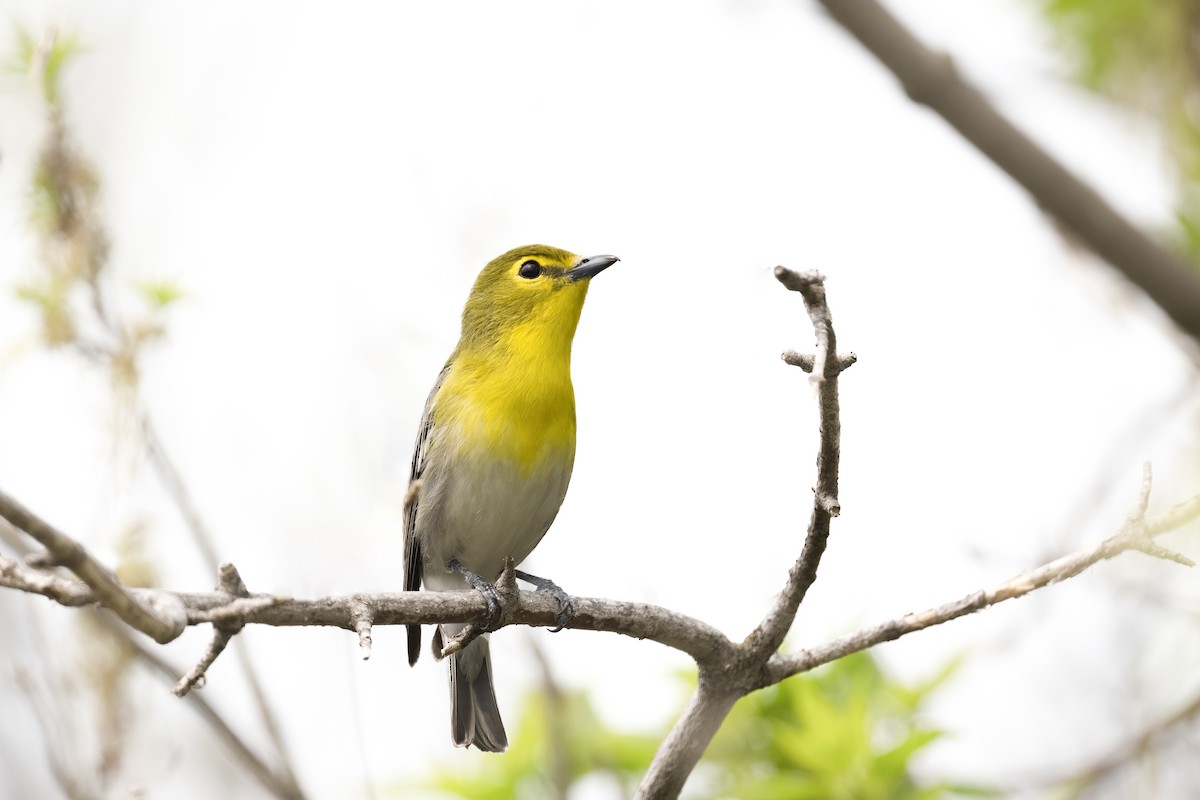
[530, 269]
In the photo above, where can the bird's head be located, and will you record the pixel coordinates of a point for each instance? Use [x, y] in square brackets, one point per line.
[530, 292]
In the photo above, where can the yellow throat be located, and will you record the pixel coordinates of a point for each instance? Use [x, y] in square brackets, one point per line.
[508, 389]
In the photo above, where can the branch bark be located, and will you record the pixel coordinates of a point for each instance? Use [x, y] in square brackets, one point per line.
[824, 367]
[931, 79]
[638, 620]
[160, 621]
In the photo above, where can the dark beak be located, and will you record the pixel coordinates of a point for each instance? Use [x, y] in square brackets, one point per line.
[589, 267]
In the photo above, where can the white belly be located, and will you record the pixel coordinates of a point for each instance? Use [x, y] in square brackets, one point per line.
[479, 515]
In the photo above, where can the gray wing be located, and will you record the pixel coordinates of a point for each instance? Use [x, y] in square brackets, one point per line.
[412, 545]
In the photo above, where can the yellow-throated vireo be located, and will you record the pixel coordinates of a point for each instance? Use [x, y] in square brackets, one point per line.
[494, 454]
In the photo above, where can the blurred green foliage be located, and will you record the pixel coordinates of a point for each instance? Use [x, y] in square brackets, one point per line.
[44, 59]
[843, 732]
[1146, 55]
[559, 740]
[67, 285]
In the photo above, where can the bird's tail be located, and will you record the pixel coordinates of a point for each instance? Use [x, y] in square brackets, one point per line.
[474, 715]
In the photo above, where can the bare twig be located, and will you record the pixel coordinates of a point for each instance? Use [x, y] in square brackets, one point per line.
[194, 677]
[1135, 749]
[161, 622]
[176, 487]
[930, 78]
[806, 361]
[226, 625]
[460, 640]
[769, 633]
[172, 481]
[362, 616]
[719, 686]
[1136, 534]
[35, 581]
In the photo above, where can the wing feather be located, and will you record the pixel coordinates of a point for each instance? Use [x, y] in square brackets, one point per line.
[412, 544]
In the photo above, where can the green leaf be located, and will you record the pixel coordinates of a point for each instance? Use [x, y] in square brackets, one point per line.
[159, 294]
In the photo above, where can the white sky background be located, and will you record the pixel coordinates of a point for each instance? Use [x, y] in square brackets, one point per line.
[325, 187]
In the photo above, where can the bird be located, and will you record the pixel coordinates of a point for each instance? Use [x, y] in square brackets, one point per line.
[494, 453]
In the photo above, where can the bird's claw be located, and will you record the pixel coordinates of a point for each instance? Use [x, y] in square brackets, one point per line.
[566, 610]
[566, 604]
[490, 596]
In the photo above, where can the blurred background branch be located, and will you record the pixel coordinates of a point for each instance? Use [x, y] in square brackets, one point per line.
[931, 79]
[73, 290]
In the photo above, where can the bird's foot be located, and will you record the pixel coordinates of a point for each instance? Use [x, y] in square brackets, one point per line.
[501, 598]
[566, 604]
[490, 596]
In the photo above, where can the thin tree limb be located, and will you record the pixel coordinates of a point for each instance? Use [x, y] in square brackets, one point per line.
[718, 687]
[1136, 534]
[281, 786]
[173, 482]
[230, 582]
[1135, 749]
[161, 622]
[63, 591]
[931, 79]
[362, 616]
[825, 368]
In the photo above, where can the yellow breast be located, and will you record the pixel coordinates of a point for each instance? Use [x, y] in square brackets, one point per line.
[511, 405]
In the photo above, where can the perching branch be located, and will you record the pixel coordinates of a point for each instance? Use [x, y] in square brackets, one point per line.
[708, 647]
[931, 79]
[639, 620]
